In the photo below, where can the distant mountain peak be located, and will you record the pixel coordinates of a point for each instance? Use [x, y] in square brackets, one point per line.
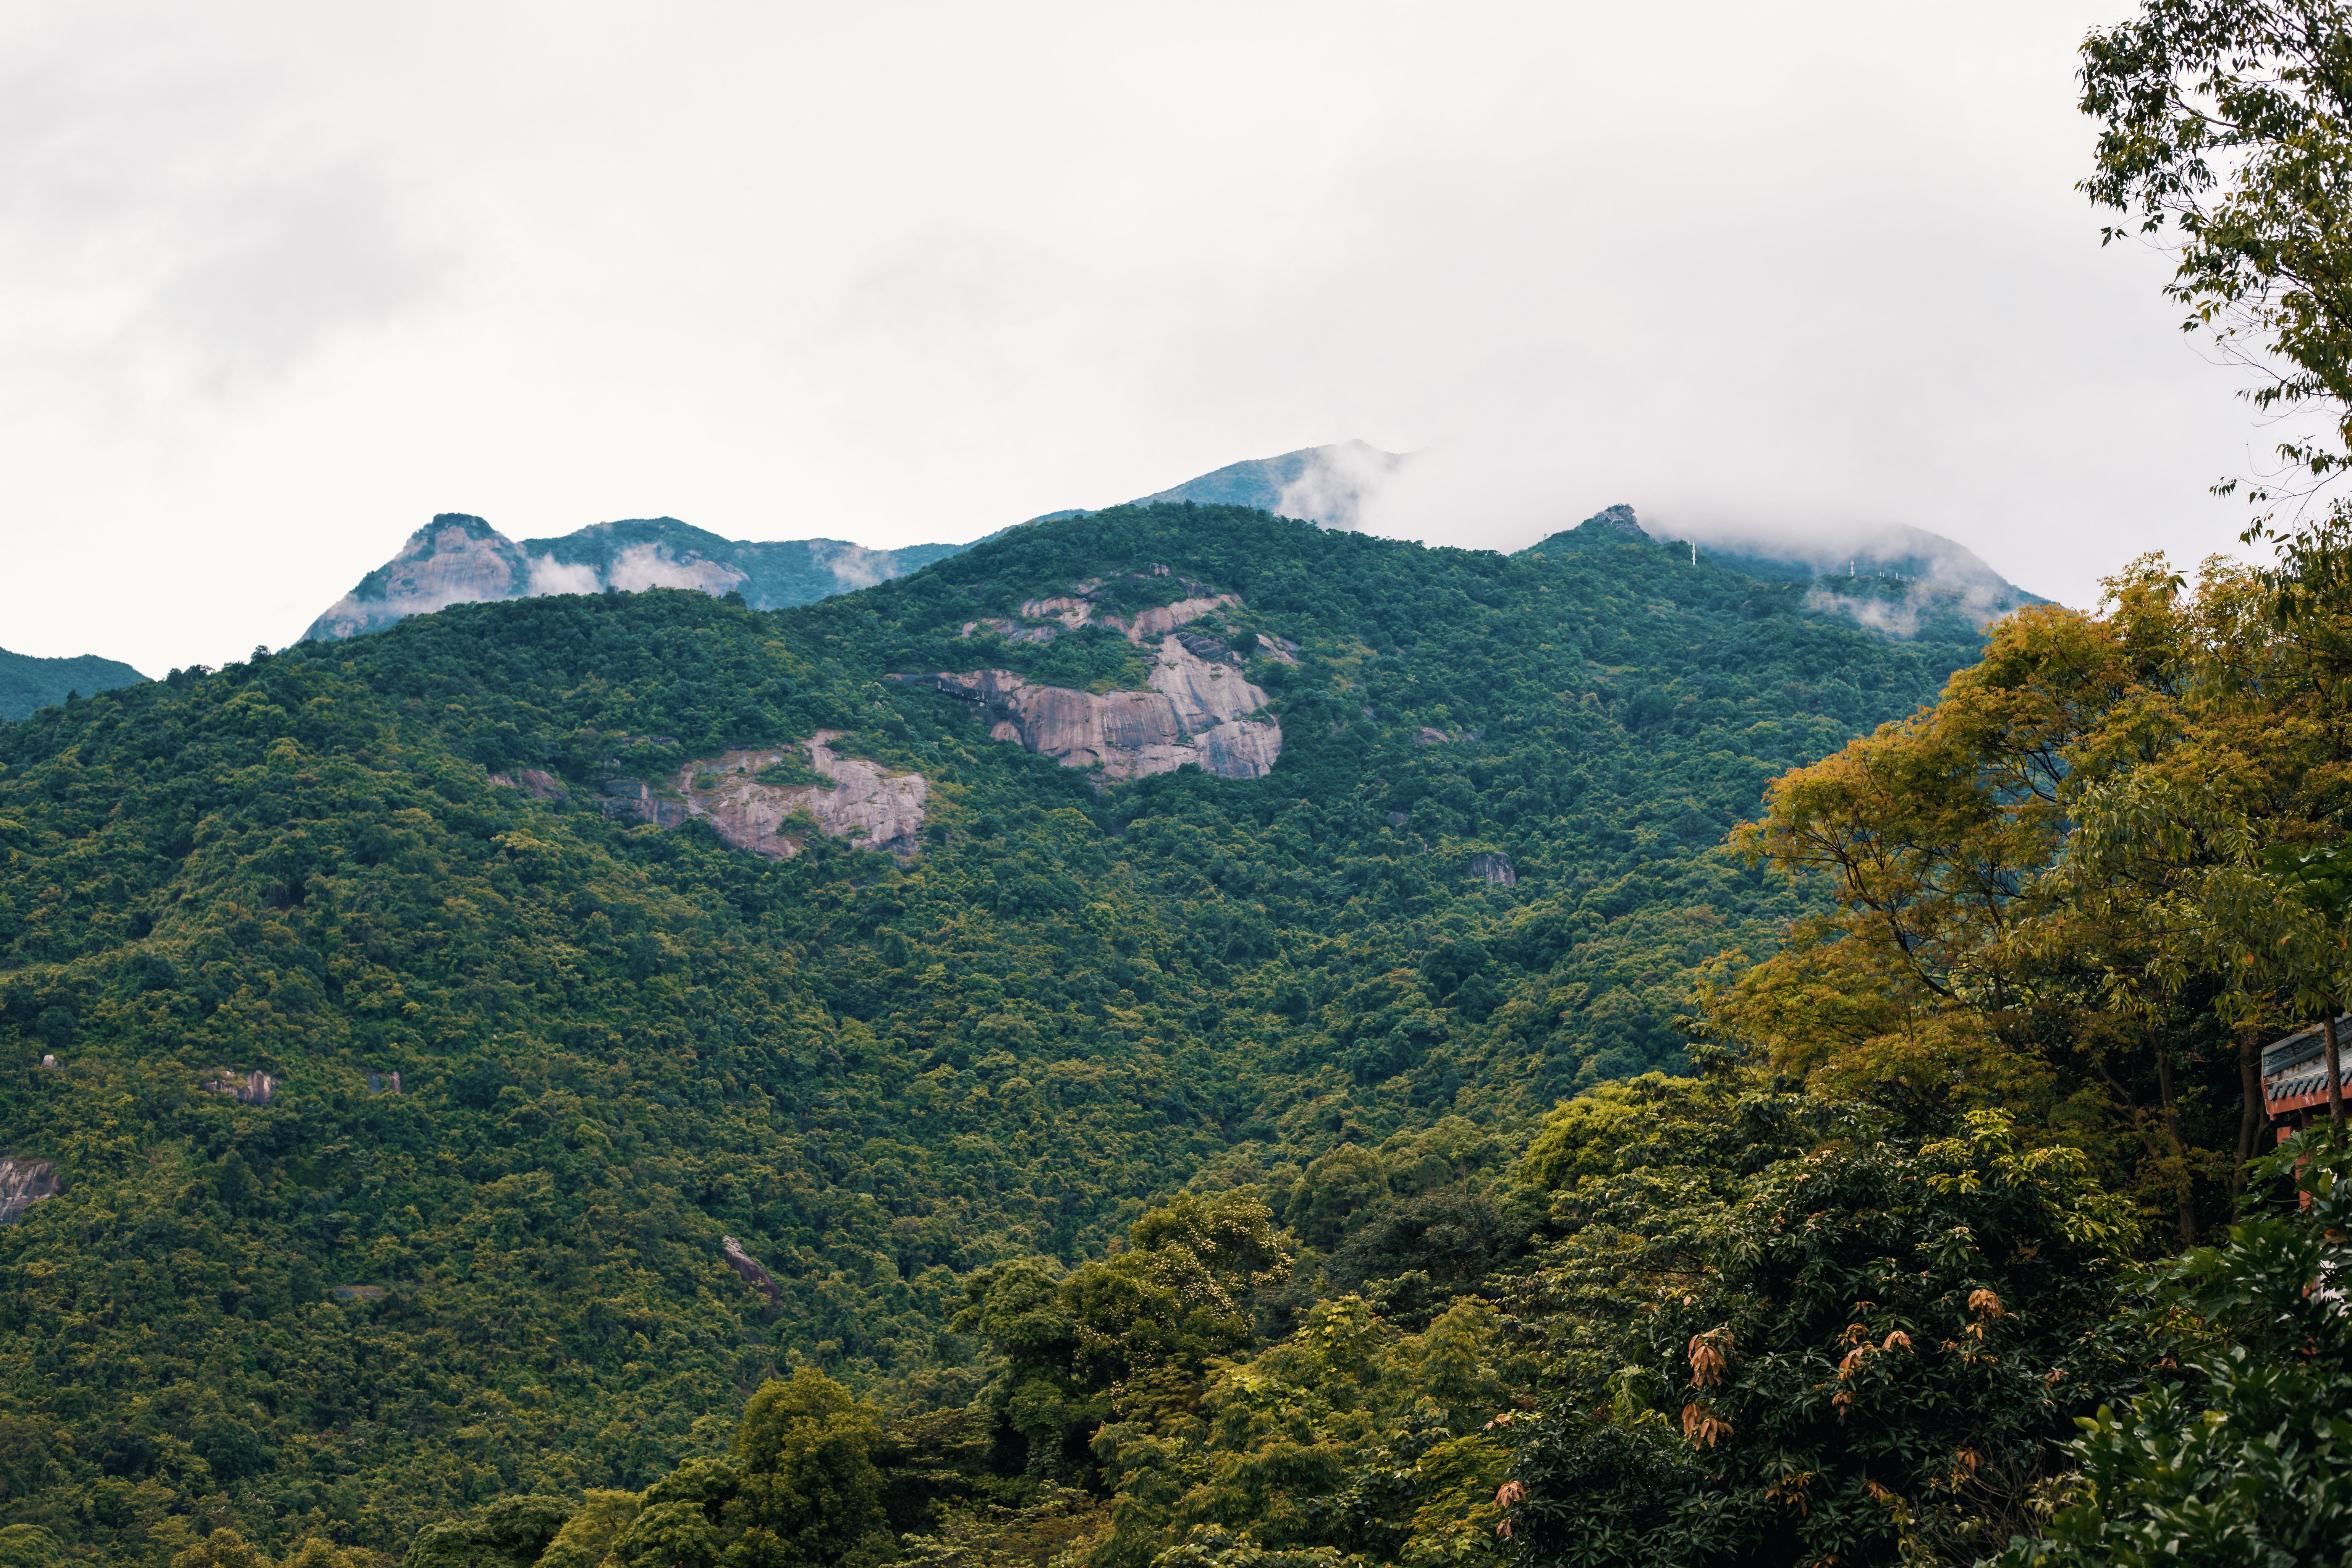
[1886, 576]
[458, 558]
[1618, 519]
[1319, 484]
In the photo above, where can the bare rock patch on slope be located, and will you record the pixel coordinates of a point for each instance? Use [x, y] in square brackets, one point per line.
[1200, 708]
[853, 798]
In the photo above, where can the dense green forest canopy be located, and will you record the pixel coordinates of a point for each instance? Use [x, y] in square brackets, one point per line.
[346, 1310]
[28, 683]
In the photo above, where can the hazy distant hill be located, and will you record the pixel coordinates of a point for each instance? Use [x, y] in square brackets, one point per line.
[460, 558]
[1320, 484]
[1887, 577]
[1884, 577]
[28, 683]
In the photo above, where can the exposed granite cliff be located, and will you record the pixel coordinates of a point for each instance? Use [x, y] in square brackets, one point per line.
[23, 1183]
[747, 1267]
[1198, 708]
[254, 1087]
[1495, 868]
[856, 799]
[453, 559]
[532, 782]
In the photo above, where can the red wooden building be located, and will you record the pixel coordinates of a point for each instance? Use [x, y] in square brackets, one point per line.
[2294, 1077]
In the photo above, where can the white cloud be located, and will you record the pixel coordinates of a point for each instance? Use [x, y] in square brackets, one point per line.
[648, 565]
[549, 575]
[278, 282]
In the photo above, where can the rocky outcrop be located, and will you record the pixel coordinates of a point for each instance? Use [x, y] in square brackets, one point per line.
[384, 1083]
[533, 782]
[245, 1088]
[1495, 868]
[856, 799]
[1199, 709]
[634, 800]
[453, 559]
[1282, 650]
[357, 1292]
[23, 1183]
[1079, 610]
[747, 1267]
[1196, 711]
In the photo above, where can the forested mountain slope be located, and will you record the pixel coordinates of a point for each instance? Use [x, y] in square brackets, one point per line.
[27, 682]
[484, 851]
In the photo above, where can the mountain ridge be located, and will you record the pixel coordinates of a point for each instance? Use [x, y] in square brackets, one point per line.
[459, 558]
[28, 682]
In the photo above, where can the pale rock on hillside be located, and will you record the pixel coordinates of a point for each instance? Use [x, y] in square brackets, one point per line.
[1199, 708]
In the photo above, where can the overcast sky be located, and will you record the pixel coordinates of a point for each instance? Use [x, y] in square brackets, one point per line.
[278, 282]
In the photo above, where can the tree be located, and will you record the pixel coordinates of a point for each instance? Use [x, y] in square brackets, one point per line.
[1986, 949]
[1128, 1335]
[808, 1491]
[2226, 126]
[1870, 1367]
[2243, 1458]
[511, 1532]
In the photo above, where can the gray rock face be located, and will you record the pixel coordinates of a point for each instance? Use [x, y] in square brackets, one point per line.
[1199, 708]
[634, 800]
[1193, 713]
[453, 559]
[859, 800]
[1495, 868]
[384, 1083]
[747, 1267]
[23, 1183]
[533, 782]
[245, 1088]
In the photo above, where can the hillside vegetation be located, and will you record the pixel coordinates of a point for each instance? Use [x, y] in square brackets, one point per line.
[616, 1043]
[28, 683]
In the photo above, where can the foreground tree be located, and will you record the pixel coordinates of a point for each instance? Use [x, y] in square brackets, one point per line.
[2226, 128]
[1870, 1366]
[2049, 888]
[2243, 1456]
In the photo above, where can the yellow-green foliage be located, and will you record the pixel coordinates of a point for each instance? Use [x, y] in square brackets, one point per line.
[617, 1043]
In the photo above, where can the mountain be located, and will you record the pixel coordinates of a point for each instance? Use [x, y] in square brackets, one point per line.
[461, 1063]
[1884, 576]
[458, 559]
[26, 683]
[1322, 484]
[1903, 572]
[1887, 577]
